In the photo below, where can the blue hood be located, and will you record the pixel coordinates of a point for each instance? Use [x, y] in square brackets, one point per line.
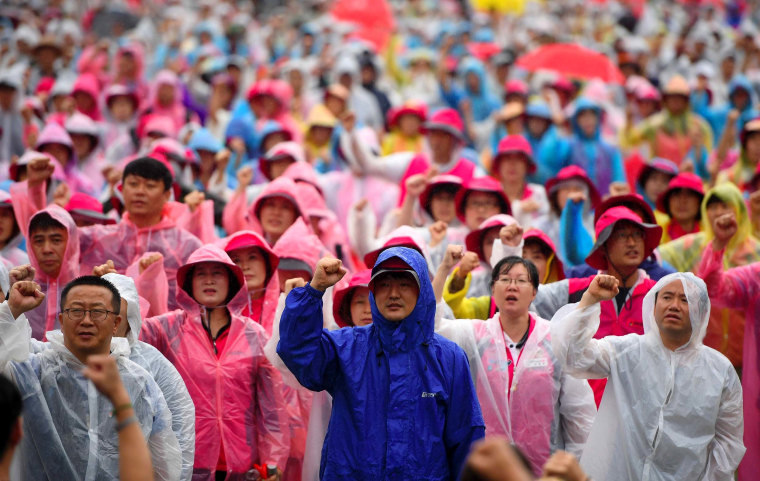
[741, 82]
[270, 127]
[582, 104]
[483, 102]
[202, 139]
[419, 326]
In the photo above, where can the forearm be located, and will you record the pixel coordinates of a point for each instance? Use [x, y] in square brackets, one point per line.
[15, 336]
[572, 330]
[134, 457]
[406, 214]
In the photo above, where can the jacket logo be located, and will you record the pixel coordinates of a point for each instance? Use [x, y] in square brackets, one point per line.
[429, 394]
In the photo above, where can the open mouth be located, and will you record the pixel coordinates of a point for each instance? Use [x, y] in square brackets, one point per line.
[511, 299]
[672, 317]
[209, 292]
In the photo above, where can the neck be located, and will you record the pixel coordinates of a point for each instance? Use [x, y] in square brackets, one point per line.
[673, 343]
[142, 221]
[5, 463]
[272, 239]
[218, 317]
[514, 189]
[257, 293]
[515, 327]
[687, 225]
[630, 276]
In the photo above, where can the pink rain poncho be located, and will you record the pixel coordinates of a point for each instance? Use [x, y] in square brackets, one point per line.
[237, 217]
[88, 84]
[11, 255]
[176, 111]
[536, 404]
[260, 310]
[237, 394]
[45, 317]
[739, 288]
[76, 179]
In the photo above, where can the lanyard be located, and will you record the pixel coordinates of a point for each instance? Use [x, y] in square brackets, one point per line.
[512, 363]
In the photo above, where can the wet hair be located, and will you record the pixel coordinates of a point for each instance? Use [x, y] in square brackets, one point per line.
[714, 198]
[542, 246]
[93, 281]
[234, 285]
[469, 474]
[44, 221]
[506, 265]
[149, 168]
[10, 407]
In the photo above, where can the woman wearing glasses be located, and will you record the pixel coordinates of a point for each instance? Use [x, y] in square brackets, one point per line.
[240, 416]
[523, 392]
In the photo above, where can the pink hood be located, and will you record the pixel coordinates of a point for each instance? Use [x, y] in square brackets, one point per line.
[88, 83]
[54, 133]
[279, 187]
[210, 253]
[299, 243]
[176, 111]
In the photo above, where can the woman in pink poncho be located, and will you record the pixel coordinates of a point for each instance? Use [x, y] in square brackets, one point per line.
[166, 100]
[239, 413]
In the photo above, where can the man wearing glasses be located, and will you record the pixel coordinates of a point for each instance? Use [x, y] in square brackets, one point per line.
[70, 429]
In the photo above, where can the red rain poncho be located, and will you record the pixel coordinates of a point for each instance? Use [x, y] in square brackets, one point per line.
[237, 394]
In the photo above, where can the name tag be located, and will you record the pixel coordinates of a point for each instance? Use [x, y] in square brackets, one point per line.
[539, 362]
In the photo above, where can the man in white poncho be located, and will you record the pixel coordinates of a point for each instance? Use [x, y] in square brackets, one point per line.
[672, 409]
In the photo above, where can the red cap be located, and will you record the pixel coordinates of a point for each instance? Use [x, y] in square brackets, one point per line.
[402, 241]
[514, 144]
[569, 173]
[540, 236]
[515, 87]
[481, 184]
[448, 120]
[413, 108]
[605, 226]
[684, 180]
[627, 200]
[342, 297]
[88, 207]
[440, 180]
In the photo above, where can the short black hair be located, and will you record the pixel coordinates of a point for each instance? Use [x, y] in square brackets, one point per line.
[507, 263]
[93, 281]
[10, 410]
[149, 168]
[44, 221]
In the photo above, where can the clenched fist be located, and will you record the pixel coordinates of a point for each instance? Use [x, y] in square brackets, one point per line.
[454, 254]
[103, 269]
[602, 288]
[469, 263]
[328, 272]
[511, 235]
[24, 296]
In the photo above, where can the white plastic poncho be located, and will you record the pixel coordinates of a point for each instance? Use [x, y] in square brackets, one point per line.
[69, 432]
[546, 409]
[164, 373]
[665, 415]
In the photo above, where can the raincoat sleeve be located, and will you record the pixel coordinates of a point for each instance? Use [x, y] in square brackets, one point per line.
[361, 230]
[15, 338]
[573, 342]
[466, 307]
[727, 447]
[27, 201]
[156, 331]
[551, 297]
[734, 288]
[305, 347]
[152, 285]
[200, 222]
[500, 251]
[575, 241]
[271, 418]
[577, 412]
[271, 347]
[233, 215]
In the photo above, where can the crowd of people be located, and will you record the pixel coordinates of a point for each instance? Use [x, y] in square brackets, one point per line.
[349, 240]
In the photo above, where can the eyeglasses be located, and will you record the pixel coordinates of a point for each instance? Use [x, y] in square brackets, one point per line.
[520, 282]
[96, 315]
[630, 234]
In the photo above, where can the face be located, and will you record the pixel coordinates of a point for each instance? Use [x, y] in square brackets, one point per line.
[361, 314]
[752, 147]
[533, 253]
[566, 190]
[715, 209]
[87, 336]
[515, 125]
[367, 74]
[84, 101]
[676, 104]
[671, 311]
[442, 206]
[537, 126]
[273, 139]
[320, 135]
[253, 264]
[345, 80]
[277, 167]
[59, 151]
[473, 82]
[396, 295]
[295, 78]
[486, 243]
[83, 144]
[270, 105]
[6, 97]
[49, 247]
[335, 105]
[656, 184]
[126, 65]
[646, 107]
[625, 247]
[512, 167]
[7, 225]
[441, 144]
[513, 291]
[122, 109]
[285, 274]
[478, 207]
[165, 94]
[211, 284]
[588, 121]
[684, 205]
[740, 99]
[144, 197]
[409, 125]
[276, 215]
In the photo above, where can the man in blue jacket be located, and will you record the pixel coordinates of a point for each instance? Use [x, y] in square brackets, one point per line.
[404, 406]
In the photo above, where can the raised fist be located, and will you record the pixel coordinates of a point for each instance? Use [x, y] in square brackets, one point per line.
[244, 177]
[24, 296]
[148, 261]
[21, 274]
[103, 269]
[291, 284]
[454, 254]
[469, 263]
[511, 235]
[437, 232]
[194, 199]
[602, 288]
[328, 272]
[39, 170]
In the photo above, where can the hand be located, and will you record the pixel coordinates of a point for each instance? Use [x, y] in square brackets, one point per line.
[62, 195]
[619, 188]
[724, 227]
[577, 197]
[359, 206]
[733, 116]
[602, 288]
[565, 466]
[416, 184]
[112, 175]
[222, 158]
[24, 296]
[194, 199]
[511, 235]
[469, 263]
[328, 272]
[494, 459]
[291, 284]
[244, 177]
[529, 205]
[437, 232]
[39, 170]
[686, 166]
[23, 273]
[103, 269]
[348, 119]
[454, 253]
[149, 260]
[103, 371]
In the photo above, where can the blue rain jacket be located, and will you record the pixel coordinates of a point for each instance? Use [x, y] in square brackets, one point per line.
[404, 406]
